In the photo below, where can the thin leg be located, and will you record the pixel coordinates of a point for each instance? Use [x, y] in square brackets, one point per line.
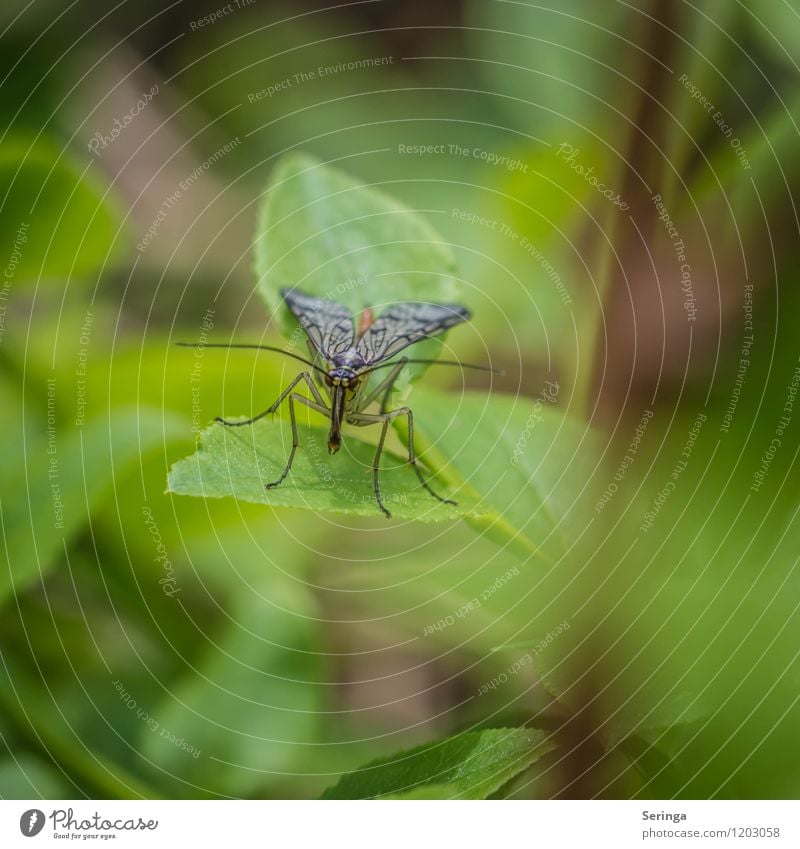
[384, 419]
[385, 386]
[317, 404]
[295, 443]
[387, 394]
[376, 470]
[304, 375]
[295, 440]
[412, 458]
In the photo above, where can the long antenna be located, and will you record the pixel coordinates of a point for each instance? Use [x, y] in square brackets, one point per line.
[252, 347]
[439, 363]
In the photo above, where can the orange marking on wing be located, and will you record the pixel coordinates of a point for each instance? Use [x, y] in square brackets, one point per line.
[365, 321]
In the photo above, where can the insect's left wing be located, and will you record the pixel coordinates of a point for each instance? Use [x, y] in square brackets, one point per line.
[328, 324]
[404, 324]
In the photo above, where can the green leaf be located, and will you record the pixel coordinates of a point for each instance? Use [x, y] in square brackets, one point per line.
[238, 462]
[331, 236]
[77, 468]
[57, 220]
[513, 481]
[472, 765]
[527, 459]
[428, 792]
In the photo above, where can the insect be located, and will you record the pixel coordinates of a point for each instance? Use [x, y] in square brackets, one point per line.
[345, 351]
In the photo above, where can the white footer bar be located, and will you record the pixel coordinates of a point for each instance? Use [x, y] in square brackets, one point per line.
[488, 825]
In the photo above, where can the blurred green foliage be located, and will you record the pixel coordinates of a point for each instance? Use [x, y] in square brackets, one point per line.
[163, 646]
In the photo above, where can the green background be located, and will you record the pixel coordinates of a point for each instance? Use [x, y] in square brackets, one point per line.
[608, 612]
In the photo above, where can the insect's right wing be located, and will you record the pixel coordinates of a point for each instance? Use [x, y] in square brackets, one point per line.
[405, 323]
[328, 324]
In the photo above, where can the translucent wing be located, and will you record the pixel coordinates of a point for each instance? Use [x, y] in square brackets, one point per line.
[404, 324]
[328, 324]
